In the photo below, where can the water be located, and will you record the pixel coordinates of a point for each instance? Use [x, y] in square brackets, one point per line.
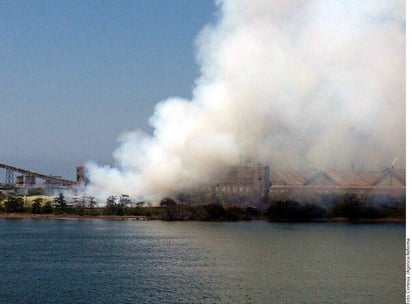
[97, 261]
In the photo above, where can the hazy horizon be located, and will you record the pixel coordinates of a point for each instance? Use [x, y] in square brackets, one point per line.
[76, 74]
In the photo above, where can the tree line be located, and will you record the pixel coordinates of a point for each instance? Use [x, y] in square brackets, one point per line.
[349, 206]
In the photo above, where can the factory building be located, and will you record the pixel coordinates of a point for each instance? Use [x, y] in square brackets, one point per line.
[296, 185]
[262, 182]
[242, 180]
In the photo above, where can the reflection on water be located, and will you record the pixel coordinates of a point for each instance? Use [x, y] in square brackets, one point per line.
[96, 261]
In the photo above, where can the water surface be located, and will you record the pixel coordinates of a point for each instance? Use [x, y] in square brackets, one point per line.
[98, 261]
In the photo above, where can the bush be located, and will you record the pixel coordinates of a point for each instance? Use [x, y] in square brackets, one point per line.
[35, 191]
[372, 212]
[355, 207]
[177, 213]
[146, 211]
[253, 212]
[47, 208]
[167, 201]
[215, 212]
[113, 207]
[349, 207]
[36, 206]
[210, 212]
[236, 214]
[290, 210]
[61, 203]
[312, 211]
[14, 204]
[2, 196]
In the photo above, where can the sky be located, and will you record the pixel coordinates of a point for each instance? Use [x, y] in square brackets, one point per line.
[74, 75]
[170, 92]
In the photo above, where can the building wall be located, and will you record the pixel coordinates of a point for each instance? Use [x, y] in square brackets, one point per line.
[25, 180]
[244, 179]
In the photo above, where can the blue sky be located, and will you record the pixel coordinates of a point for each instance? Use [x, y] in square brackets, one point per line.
[76, 74]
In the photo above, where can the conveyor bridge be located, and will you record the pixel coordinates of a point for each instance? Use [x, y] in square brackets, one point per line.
[48, 179]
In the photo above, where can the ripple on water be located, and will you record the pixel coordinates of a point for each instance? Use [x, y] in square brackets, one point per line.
[156, 262]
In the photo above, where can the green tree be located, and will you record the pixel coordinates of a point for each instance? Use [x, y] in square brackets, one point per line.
[14, 203]
[2, 196]
[36, 205]
[111, 205]
[167, 201]
[92, 203]
[80, 204]
[60, 202]
[124, 201]
[47, 208]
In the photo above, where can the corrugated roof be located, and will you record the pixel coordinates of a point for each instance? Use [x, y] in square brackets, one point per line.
[282, 177]
[344, 178]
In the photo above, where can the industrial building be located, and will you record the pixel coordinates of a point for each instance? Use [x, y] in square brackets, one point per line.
[246, 183]
[261, 181]
[26, 180]
[242, 179]
[295, 184]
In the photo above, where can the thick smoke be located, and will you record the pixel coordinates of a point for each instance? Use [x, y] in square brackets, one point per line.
[293, 84]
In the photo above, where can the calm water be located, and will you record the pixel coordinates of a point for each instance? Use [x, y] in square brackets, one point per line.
[97, 261]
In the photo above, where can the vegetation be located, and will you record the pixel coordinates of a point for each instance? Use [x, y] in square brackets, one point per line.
[14, 203]
[209, 212]
[47, 208]
[290, 210]
[36, 206]
[216, 208]
[114, 206]
[2, 196]
[167, 202]
[61, 203]
[35, 191]
[354, 207]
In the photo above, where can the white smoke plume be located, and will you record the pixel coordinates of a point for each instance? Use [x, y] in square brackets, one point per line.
[292, 84]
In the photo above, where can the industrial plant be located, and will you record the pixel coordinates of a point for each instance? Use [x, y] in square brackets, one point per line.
[21, 180]
[262, 181]
[246, 181]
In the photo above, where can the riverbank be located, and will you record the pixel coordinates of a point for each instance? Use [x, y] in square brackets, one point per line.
[151, 218]
[72, 216]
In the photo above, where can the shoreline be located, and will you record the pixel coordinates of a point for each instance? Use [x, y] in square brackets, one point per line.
[145, 218]
[71, 216]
